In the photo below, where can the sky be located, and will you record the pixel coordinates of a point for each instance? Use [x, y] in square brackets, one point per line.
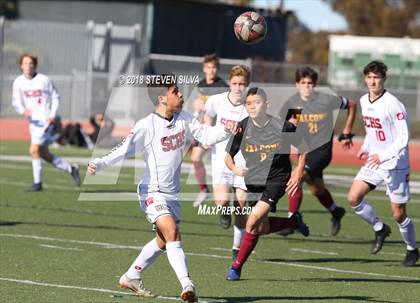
[315, 14]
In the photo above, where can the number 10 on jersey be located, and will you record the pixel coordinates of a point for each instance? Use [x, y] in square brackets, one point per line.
[380, 135]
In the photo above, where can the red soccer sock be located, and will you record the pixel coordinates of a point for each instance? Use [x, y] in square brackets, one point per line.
[326, 199]
[200, 174]
[295, 200]
[248, 244]
[277, 224]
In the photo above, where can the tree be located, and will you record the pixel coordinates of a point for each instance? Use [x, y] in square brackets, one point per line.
[8, 8]
[383, 18]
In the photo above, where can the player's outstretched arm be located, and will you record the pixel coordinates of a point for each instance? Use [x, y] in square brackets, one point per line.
[133, 143]
[209, 135]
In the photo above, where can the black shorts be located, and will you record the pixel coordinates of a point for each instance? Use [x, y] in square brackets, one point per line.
[318, 159]
[270, 193]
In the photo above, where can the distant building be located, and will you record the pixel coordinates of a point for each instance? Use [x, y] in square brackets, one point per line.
[349, 54]
[182, 27]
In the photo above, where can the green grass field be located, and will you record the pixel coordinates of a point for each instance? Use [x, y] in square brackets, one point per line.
[55, 248]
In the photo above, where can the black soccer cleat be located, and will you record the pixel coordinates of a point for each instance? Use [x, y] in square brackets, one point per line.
[75, 174]
[300, 225]
[411, 258]
[35, 187]
[380, 238]
[337, 215]
[225, 221]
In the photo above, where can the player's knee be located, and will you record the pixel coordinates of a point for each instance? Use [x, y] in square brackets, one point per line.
[252, 226]
[316, 190]
[353, 198]
[171, 235]
[34, 151]
[399, 215]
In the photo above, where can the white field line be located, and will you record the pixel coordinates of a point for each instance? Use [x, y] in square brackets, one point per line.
[227, 249]
[337, 180]
[330, 269]
[390, 253]
[101, 244]
[61, 247]
[113, 292]
[314, 251]
[54, 170]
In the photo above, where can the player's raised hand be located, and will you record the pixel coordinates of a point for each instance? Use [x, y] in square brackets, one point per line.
[346, 140]
[293, 121]
[91, 168]
[362, 155]
[240, 170]
[373, 161]
[232, 127]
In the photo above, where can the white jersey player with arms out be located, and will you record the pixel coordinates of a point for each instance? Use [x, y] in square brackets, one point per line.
[385, 150]
[162, 138]
[35, 97]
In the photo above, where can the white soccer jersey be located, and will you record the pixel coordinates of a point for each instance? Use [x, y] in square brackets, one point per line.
[163, 144]
[221, 107]
[387, 131]
[37, 94]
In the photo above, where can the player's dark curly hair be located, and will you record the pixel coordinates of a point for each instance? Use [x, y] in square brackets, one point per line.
[257, 91]
[376, 67]
[158, 87]
[306, 71]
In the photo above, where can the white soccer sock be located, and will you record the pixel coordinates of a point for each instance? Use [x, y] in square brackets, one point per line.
[59, 163]
[37, 170]
[408, 233]
[367, 213]
[178, 261]
[147, 256]
[238, 234]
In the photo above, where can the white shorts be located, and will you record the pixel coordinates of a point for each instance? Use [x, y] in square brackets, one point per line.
[396, 180]
[222, 175]
[158, 204]
[37, 131]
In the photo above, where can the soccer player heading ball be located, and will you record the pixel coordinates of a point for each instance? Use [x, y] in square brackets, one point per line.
[265, 143]
[385, 150]
[35, 97]
[162, 138]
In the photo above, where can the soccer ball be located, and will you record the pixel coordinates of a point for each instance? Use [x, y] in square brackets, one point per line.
[250, 28]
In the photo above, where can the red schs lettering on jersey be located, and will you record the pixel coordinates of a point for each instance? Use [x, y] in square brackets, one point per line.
[32, 93]
[400, 116]
[173, 142]
[371, 122]
[227, 122]
[148, 201]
